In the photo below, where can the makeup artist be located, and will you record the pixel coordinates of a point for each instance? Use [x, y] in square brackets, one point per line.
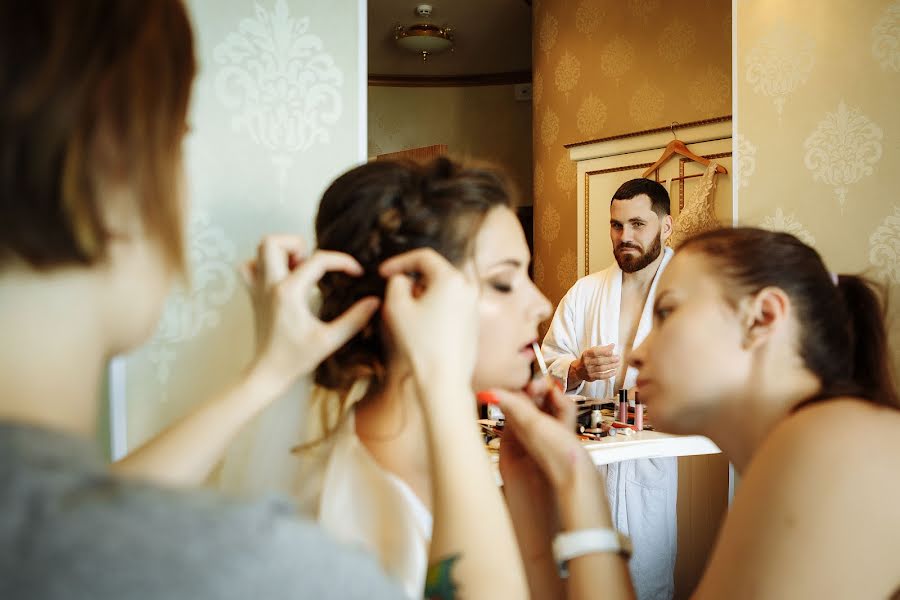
[757, 346]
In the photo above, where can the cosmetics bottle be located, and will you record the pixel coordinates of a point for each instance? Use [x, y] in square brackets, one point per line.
[638, 412]
[596, 418]
[623, 406]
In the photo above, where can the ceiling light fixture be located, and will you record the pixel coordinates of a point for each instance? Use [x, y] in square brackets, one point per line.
[424, 38]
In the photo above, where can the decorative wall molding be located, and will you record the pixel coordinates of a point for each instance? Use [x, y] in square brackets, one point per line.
[667, 128]
[689, 133]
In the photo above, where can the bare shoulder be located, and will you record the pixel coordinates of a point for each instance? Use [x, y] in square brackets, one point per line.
[830, 456]
[815, 512]
[840, 432]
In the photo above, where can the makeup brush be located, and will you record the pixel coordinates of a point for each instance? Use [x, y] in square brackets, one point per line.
[540, 359]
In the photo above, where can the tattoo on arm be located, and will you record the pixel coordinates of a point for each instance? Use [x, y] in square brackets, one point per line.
[439, 584]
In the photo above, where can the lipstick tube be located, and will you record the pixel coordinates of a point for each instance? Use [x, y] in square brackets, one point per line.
[638, 412]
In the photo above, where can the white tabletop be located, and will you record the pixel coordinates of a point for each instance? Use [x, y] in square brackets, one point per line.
[643, 444]
[648, 444]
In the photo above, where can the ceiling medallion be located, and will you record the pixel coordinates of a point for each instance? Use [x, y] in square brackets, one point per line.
[424, 38]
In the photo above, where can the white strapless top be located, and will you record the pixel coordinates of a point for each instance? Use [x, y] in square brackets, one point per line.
[362, 504]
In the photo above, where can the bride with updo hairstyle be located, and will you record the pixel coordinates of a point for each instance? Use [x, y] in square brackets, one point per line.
[383, 209]
[364, 466]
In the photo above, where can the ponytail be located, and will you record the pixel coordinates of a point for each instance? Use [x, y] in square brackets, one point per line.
[871, 368]
[842, 338]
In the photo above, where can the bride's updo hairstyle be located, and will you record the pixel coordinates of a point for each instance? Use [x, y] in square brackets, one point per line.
[382, 209]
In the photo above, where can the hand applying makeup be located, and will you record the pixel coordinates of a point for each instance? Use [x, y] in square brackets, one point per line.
[432, 317]
[542, 420]
[530, 497]
[545, 472]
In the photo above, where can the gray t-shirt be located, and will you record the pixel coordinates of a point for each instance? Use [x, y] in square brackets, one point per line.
[69, 529]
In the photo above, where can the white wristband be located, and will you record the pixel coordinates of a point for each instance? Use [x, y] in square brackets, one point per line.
[572, 544]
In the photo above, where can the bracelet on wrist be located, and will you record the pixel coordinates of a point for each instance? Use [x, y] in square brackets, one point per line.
[572, 544]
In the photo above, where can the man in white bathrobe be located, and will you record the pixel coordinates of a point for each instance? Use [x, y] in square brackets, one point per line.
[604, 315]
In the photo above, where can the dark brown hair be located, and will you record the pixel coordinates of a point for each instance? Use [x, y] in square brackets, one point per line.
[385, 208]
[843, 339]
[93, 91]
[659, 197]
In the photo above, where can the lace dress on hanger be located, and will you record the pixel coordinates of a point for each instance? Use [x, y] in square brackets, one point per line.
[699, 212]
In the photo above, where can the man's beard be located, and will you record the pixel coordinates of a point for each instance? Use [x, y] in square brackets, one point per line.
[630, 263]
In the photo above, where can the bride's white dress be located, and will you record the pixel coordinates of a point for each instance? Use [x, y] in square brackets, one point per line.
[363, 504]
[338, 483]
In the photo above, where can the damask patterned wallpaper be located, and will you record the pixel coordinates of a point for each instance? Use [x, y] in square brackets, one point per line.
[818, 141]
[481, 122]
[277, 113]
[606, 67]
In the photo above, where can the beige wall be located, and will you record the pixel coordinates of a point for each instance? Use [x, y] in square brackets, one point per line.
[264, 144]
[605, 67]
[819, 129]
[482, 122]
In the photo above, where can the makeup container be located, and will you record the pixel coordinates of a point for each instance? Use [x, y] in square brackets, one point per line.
[596, 418]
[623, 406]
[638, 412]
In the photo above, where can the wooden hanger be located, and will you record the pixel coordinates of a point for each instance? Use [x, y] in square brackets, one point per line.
[676, 146]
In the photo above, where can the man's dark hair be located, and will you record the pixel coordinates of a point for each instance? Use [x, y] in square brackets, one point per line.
[659, 197]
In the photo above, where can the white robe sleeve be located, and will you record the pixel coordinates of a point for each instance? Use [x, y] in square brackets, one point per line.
[561, 344]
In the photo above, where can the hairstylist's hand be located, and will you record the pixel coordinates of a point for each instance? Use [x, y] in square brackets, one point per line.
[291, 340]
[430, 309]
[546, 434]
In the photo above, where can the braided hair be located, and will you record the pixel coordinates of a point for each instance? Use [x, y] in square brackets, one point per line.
[382, 209]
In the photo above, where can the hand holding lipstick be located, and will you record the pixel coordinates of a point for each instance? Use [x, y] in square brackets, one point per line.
[542, 420]
[550, 482]
[530, 498]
